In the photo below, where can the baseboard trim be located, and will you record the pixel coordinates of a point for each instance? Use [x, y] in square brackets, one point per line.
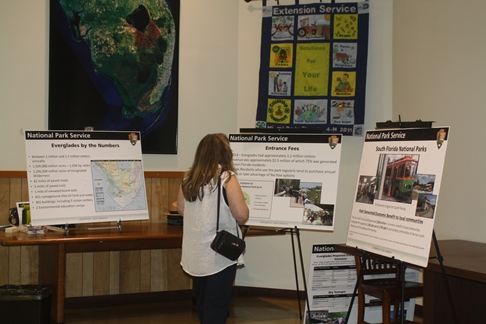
[177, 295]
[127, 299]
[268, 292]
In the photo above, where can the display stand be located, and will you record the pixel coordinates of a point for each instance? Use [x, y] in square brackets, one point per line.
[66, 228]
[388, 125]
[292, 231]
[439, 257]
[444, 277]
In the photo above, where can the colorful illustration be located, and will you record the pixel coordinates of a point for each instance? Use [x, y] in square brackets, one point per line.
[345, 26]
[342, 112]
[310, 111]
[281, 56]
[280, 83]
[282, 28]
[344, 55]
[314, 27]
[279, 111]
[343, 84]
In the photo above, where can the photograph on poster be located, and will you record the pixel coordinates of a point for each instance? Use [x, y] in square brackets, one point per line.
[401, 185]
[300, 193]
[366, 190]
[425, 205]
[399, 177]
[400, 171]
[318, 214]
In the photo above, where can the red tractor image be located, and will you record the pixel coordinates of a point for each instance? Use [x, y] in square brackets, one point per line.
[306, 28]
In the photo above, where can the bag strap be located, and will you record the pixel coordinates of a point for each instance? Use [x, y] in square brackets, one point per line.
[219, 198]
[217, 212]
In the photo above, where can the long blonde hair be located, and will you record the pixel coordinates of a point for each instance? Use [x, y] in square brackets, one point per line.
[213, 152]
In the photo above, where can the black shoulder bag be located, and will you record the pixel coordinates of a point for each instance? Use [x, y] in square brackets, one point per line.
[225, 243]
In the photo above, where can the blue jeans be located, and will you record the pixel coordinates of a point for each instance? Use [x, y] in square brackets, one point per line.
[213, 295]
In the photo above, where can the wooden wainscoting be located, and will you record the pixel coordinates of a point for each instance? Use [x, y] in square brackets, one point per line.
[99, 273]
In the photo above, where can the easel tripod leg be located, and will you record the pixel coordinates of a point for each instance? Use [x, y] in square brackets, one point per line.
[444, 276]
[295, 272]
[303, 273]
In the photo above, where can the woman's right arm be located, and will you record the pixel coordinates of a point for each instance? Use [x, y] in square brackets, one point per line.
[236, 200]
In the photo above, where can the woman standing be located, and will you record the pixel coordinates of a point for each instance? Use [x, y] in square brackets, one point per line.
[213, 274]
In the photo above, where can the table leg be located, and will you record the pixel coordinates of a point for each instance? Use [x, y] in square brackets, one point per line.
[52, 272]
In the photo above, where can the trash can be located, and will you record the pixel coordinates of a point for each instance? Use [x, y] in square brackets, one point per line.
[25, 304]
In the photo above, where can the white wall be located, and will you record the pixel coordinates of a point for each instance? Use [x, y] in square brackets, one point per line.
[208, 76]
[219, 63]
[439, 69]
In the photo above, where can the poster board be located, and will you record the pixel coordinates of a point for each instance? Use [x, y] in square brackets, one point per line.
[289, 180]
[85, 176]
[397, 192]
[332, 280]
[313, 66]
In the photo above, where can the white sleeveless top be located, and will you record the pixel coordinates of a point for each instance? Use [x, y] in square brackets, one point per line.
[198, 259]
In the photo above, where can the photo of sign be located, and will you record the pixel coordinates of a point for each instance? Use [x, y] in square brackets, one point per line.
[84, 177]
[397, 192]
[289, 180]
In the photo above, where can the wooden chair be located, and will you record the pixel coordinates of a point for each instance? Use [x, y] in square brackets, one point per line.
[384, 285]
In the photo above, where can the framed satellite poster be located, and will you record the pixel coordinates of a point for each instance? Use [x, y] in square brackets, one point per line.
[113, 65]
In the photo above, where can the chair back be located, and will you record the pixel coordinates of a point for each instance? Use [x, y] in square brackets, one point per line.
[378, 267]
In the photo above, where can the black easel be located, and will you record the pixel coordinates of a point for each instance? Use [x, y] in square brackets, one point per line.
[423, 124]
[292, 231]
[295, 230]
[444, 277]
[390, 125]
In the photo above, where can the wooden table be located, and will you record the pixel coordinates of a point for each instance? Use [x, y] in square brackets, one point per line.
[465, 266]
[54, 246]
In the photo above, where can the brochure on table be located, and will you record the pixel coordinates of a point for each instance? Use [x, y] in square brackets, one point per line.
[397, 192]
[84, 177]
[289, 180]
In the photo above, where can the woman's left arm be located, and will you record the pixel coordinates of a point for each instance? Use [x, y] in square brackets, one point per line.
[180, 202]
